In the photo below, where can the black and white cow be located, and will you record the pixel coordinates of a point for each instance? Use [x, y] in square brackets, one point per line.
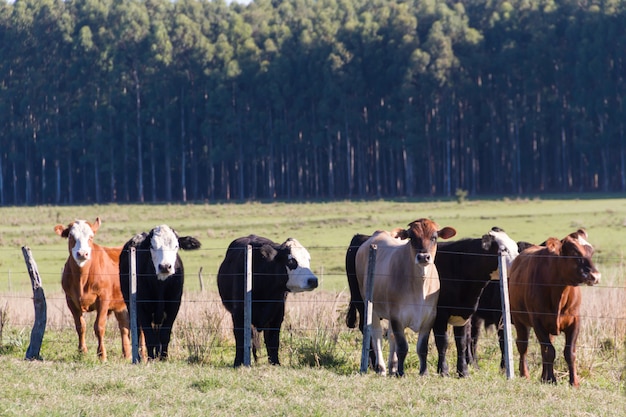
[276, 270]
[465, 267]
[160, 277]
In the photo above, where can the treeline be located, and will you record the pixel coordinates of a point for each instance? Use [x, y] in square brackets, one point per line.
[190, 100]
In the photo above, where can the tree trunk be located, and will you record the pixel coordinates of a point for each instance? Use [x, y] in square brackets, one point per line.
[139, 137]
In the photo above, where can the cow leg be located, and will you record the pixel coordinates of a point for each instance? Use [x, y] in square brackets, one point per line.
[522, 347]
[145, 324]
[377, 342]
[501, 343]
[79, 324]
[393, 355]
[422, 349]
[402, 347]
[440, 330]
[272, 344]
[99, 328]
[165, 330]
[571, 334]
[460, 337]
[472, 344]
[123, 322]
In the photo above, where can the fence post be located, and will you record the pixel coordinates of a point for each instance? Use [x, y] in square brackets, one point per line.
[134, 335]
[367, 301]
[39, 300]
[506, 318]
[247, 308]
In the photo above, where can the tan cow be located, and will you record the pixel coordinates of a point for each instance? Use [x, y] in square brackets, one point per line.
[91, 282]
[544, 294]
[406, 287]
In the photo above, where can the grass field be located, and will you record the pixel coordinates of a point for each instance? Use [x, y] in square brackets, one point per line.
[320, 355]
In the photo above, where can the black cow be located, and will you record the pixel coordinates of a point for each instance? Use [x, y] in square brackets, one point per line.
[465, 267]
[276, 270]
[160, 276]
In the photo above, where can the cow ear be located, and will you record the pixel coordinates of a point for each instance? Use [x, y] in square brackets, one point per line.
[188, 243]
[399, 233]
[96, 225]
[487, 240]
[554, 245]
[61, 230]
[137, 240]
[447, 232]
[268, 252]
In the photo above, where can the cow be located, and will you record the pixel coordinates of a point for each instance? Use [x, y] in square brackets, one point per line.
[544, 292]
[160, 277]
[277, 269]
[465, 267]
[488, 314]
[405, 287]
[90, 282]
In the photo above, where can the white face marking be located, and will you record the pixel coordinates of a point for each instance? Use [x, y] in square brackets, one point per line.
[164, 248]
[82, 234]
[301, 278]
[508, 247]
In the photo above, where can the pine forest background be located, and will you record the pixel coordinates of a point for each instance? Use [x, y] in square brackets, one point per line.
[190, 100]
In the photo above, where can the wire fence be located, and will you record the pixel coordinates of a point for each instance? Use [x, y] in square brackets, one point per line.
[313, 332]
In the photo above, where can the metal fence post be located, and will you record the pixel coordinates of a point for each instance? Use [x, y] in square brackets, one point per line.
[247, 309]
[367, 326]
[133, 305]
[506, 318]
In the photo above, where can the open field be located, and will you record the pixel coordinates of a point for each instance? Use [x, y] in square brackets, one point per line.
[320, 355]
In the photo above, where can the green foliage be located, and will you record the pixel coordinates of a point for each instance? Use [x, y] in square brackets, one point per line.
[196, 100]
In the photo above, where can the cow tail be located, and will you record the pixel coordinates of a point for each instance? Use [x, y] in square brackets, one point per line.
[256, 343]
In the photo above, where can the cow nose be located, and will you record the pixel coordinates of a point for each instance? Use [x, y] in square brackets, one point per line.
[165, 267]
[423, 258]
[83, 254]
[312, 283]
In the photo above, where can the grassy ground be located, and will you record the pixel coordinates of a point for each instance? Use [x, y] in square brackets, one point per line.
[320, 355]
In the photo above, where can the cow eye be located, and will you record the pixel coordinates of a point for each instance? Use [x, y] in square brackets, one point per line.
[292, 263]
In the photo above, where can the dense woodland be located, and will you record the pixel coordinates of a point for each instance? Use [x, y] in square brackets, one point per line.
[191, 100]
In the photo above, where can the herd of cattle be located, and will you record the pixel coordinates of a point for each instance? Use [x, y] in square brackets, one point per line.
[418, 283]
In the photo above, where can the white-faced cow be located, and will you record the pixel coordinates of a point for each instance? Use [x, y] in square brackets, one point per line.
[405, 288]
[90, 282]
[544, 291]
[465, 267]
[276, 270]
[160, 277]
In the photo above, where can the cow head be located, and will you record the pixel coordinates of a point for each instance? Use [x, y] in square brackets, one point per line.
[423, 234]
[504, 244]
[301, 278]
[164, 245]
[579, 251]
[79, 234]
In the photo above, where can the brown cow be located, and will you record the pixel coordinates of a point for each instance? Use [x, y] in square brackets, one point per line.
[91, 282]
[545, 295]
[406, 287]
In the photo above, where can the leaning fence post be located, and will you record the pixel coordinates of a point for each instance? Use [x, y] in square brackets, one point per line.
[39, 300]
[506, 318]
[134, 335]
[247, 309]
[367, 326]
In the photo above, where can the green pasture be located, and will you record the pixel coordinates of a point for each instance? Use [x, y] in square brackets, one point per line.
[320, 355]
[325, 228]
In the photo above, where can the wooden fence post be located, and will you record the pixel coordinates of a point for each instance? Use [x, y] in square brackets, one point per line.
[134, 334]
[506, 318]
[247, 309]
[367, 326]
[39, 300]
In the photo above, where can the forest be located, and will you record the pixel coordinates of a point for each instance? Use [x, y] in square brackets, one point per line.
[203, 101]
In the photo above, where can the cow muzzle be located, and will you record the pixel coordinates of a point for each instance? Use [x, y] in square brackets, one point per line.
[165, 270]
[423, 258]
